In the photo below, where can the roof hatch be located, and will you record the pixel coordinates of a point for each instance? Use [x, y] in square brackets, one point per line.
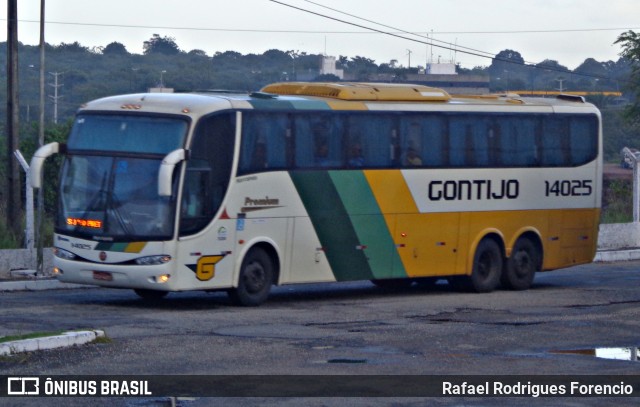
[360, 91]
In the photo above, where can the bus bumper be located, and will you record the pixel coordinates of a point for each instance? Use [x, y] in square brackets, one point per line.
[156, 277]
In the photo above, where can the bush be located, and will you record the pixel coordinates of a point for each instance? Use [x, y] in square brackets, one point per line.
[617, 201]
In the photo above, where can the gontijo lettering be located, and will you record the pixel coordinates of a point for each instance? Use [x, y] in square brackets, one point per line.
[470, 190]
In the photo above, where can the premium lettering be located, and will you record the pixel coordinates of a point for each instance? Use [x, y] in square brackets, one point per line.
[261, 201]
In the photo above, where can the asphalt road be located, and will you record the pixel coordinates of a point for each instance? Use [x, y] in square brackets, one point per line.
[347, 328]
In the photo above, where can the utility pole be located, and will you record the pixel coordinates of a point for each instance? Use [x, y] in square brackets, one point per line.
[409, 52]
[40, 209]
[55, 96]
[12, 190]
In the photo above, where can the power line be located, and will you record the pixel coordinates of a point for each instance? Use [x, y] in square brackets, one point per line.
[397, 29]
[473, 53]
[369, 30]
[276, 31]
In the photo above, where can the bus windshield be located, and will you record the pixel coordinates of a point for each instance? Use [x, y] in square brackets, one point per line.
[108, 186]
[127, 133]
[113, 198]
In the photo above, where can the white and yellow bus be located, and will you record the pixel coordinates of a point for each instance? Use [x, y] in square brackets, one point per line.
[322, 182]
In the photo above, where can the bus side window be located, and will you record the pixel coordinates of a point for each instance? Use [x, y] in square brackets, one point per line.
[368, 139]
[517, 144]
[555, 142]
[265, 142]
[584, 139]
[424, 141]
[318, 141]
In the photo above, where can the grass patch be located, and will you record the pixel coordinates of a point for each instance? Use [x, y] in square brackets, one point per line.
[102, 339]
[617, 201]
[35, 335]
[32, 335]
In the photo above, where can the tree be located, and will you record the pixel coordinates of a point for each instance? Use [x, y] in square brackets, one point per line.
[160, 45]
[73, 48]
[328, 77]
[115, 48]
[592, 67]
[507, 70]
[362, 67]
[630, 42]
[198, 53]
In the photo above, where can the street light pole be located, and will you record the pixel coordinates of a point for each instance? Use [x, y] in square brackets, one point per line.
[162, 79]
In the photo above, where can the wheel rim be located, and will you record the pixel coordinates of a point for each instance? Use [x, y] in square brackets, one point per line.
[486, 263]
[523, 263]
[255, 277]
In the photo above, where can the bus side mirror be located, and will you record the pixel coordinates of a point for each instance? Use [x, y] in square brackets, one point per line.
[167, 167]
[37, 162]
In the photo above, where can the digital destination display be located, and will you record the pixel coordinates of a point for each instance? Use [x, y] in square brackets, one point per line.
[86, 223]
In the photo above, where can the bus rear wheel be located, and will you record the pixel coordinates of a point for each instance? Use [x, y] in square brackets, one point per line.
[255, 280]
[521, 265]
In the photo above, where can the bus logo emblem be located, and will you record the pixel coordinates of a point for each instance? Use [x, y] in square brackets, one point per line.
[206, 267]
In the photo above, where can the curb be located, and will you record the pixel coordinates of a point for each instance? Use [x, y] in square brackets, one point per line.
[606, 256]
[50, 342]
[39, 285]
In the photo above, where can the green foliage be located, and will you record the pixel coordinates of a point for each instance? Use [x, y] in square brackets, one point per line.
[115, 48]
[617, 202]
[29, 145]
[8, 240]
[618, 132]
[630, 43]
[161, 45]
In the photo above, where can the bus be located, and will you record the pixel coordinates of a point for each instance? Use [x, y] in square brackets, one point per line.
[324, 182]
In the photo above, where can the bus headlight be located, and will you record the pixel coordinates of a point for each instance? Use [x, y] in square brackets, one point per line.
[153, 260]
[63, 254]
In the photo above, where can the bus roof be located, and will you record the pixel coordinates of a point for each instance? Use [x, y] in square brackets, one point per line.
[329, 96]
[361, 91]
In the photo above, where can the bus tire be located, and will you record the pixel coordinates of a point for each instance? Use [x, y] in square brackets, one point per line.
[486, 270]
[255, 279]
[522, 265]
[151, 295]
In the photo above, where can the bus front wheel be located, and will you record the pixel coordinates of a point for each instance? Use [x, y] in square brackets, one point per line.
[254, 282]
[521, 265]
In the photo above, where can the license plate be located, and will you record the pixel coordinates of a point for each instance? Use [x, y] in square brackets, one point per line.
[102, 276]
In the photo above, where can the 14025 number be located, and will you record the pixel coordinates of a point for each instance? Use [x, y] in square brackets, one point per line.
[568, 188]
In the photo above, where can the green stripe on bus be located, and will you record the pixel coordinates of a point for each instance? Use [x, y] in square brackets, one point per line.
[268, 104]
[111, 247]
[277, 104]
[310, 105]
[368, 222]
[332, 225]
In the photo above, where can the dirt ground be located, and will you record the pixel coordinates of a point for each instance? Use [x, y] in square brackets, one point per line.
[614, 171]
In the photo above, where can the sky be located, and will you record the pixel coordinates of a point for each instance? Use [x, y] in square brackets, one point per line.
[568, 31]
